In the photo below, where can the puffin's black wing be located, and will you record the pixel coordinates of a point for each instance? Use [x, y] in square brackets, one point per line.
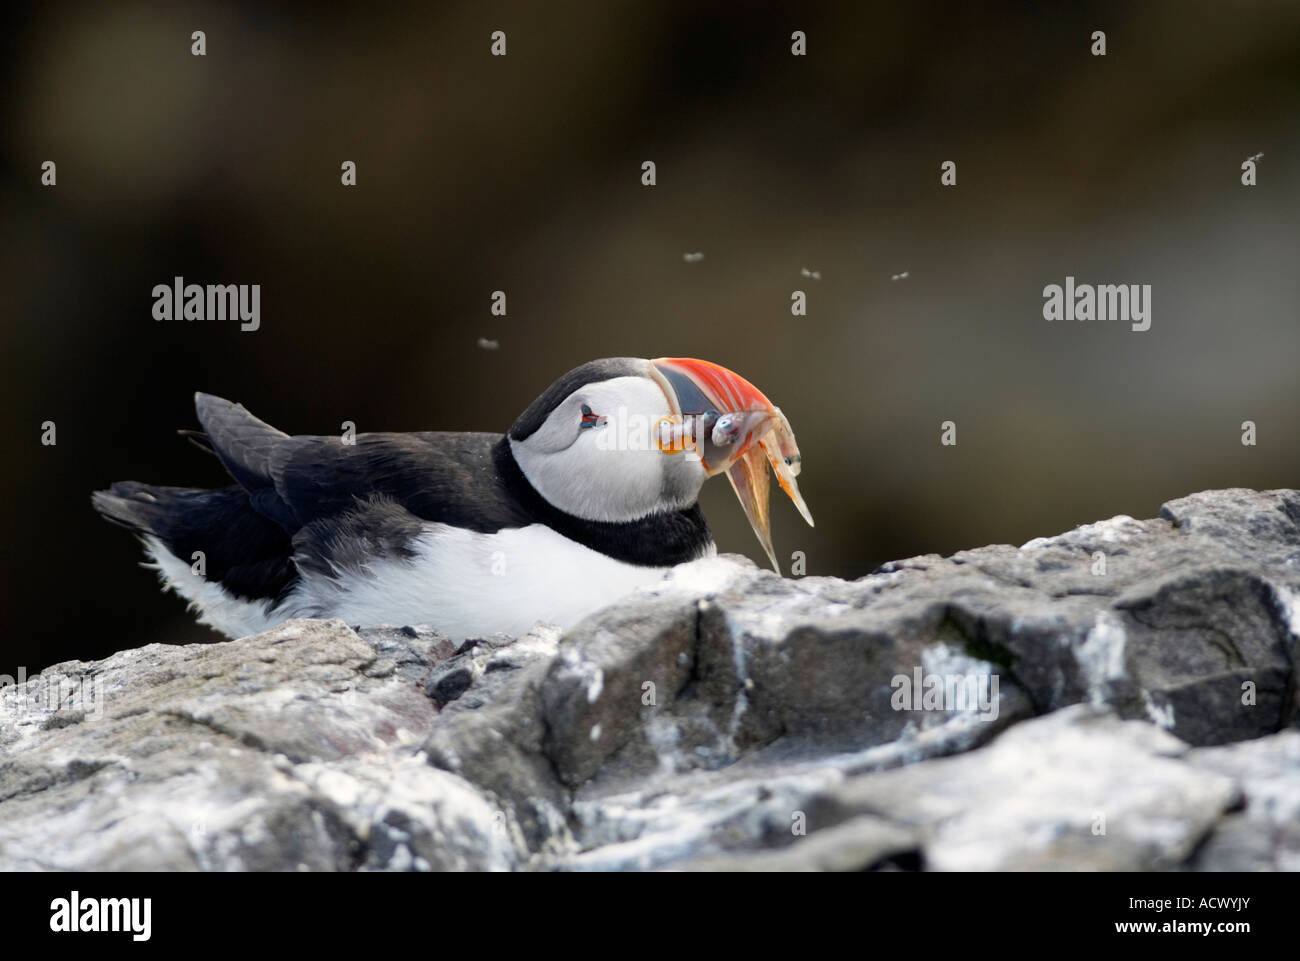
[449, 478]
[313, 503]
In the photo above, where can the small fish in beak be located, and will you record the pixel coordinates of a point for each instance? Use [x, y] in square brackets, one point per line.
[731, 426]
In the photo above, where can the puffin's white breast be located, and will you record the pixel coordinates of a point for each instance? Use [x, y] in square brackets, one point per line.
[467, 584]
[460, 582]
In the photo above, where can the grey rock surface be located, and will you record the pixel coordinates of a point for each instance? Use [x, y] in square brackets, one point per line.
[1119, 697]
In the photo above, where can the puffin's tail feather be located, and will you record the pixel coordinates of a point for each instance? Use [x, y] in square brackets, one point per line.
[245, 552]
[145, 508]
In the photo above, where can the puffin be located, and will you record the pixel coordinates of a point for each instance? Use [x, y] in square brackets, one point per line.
[591, 494]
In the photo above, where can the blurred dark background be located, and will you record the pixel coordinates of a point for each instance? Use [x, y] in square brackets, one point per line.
[522, 173]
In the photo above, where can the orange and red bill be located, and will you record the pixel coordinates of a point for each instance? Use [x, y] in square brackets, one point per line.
[731, 426]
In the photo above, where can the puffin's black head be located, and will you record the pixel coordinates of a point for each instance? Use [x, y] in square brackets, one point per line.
[621, 438]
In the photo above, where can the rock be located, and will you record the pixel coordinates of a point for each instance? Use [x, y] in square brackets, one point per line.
[859, 844]
[496, 737]
[1078, 789]
[1265, 835]
[274, 752]
[450, 684]
[405, 651]
[480, 656]
[1119, 697]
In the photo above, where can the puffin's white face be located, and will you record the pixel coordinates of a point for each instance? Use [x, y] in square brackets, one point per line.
[595, 455]
[619, 439]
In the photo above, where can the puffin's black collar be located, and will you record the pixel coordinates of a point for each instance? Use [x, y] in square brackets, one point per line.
[657, 540]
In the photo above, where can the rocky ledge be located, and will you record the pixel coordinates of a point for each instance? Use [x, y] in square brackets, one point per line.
[1122, 696]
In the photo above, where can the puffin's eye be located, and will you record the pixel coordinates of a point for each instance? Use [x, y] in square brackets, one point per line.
[589, 419]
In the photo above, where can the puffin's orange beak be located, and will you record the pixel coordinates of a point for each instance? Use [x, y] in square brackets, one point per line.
[730, 425]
